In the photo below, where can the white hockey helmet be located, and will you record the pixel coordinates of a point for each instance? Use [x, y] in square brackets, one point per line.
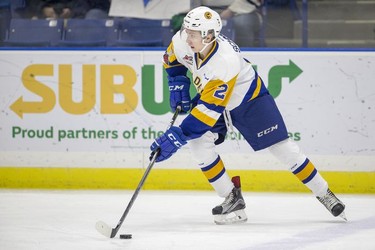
[203, 19]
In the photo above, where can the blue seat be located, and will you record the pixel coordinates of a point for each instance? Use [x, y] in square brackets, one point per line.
[138, 32]
[29, 33]
[90, 32]
[17, 4]
[5, 15]
[5, 3]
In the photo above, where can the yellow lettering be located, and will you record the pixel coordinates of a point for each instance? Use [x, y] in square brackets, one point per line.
[117, 93]
[29, 81]
[87, 89]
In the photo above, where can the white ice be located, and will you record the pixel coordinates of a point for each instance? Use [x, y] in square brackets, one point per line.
[38, 219]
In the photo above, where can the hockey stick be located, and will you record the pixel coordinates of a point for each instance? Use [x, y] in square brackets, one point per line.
[106, 230]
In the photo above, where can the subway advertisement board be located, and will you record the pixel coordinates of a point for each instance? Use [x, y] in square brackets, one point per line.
[104, 108]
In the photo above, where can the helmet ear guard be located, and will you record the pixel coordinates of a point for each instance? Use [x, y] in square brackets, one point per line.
[203, 19]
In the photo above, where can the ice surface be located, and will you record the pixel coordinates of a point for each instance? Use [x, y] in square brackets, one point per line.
[38, 219]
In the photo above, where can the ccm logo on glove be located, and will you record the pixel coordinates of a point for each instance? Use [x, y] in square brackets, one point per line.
[176, 88]
[179, 87]
[174, 140]
[168, 143]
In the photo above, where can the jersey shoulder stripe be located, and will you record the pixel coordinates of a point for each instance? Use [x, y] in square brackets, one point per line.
[171, 63]
[169, 58]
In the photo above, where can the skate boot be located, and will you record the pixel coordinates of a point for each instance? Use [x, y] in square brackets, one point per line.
[333, 204]
[232, 209]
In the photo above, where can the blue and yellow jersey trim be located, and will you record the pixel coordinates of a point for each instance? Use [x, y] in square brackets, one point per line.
[172, 66]
[257, 88]
[193, 128]
[207, 113]
[201, 63]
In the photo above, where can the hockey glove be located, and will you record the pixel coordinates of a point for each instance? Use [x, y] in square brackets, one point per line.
[168, 143]
[179, 87]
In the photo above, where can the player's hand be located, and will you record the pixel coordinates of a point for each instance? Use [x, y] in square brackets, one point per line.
[179, 87]
[168, 143]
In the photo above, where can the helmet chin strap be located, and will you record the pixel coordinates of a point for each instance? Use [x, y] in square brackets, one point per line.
[206, 44]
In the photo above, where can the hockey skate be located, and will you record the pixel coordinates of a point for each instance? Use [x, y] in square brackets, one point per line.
[333, 204]
[232, 209]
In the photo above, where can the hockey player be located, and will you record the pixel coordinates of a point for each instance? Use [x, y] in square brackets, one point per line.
[230, 93]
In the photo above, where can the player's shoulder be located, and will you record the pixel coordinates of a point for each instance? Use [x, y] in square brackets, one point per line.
[228, 49]
[223, 62]
[178, 42]
[228, 54]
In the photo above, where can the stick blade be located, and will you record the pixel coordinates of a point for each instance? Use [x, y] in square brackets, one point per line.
[104, 229]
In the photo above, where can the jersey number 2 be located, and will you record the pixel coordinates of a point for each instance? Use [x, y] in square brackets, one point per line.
[221, 91]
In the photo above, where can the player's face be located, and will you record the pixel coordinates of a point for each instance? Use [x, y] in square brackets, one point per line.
[194, 40]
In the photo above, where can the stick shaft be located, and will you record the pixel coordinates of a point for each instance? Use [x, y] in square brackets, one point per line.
[144, 177]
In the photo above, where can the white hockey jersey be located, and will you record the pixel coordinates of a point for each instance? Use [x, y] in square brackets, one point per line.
[224, 79]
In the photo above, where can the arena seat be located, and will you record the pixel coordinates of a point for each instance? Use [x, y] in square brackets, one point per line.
[29, 33]
[90, 32]
[138, 32]
[17, 3]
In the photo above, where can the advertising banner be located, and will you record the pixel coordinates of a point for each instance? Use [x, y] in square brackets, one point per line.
[104, 108]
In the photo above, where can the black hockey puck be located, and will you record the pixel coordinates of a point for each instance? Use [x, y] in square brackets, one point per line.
[125, 236]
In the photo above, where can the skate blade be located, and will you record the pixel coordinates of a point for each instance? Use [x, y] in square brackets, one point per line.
[238, 216]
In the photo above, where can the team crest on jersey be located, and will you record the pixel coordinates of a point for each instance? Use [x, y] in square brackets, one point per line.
[208, 15]
[188, 59]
